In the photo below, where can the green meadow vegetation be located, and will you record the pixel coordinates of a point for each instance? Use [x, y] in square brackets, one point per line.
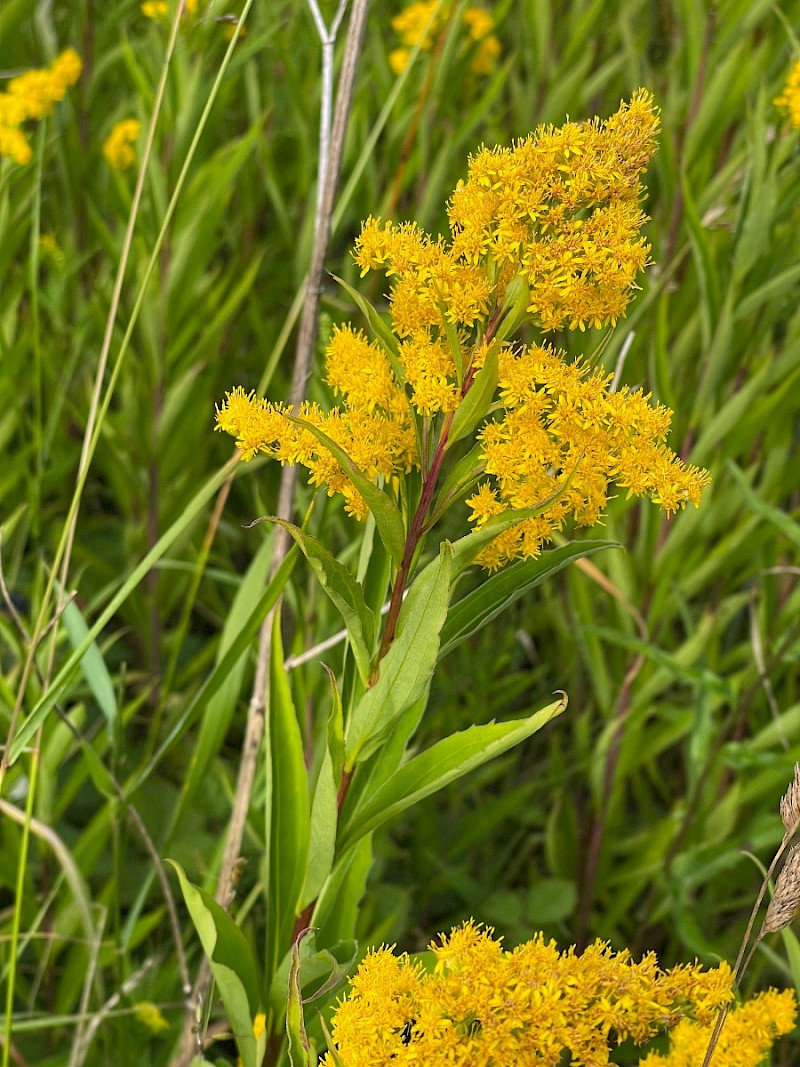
[236, 759]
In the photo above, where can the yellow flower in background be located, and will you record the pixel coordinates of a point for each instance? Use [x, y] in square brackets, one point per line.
[155, 9]
[789, 100]
[530, 1005]
[118, 148]
[150, 1015]
[14, 144]
[158, 10]
[31, 96]
[420, 23]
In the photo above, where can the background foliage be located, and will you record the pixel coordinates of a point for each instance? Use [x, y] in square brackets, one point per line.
[636, 815]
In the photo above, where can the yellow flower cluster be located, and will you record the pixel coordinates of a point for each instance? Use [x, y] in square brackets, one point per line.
[789, 100]
[562, 206]
[483, 1006]
[31, 96]
[550, 229]
[563, 432]
[118, 148]
[421, 22]
[158, 10]
[379, 445]
[746, 1038]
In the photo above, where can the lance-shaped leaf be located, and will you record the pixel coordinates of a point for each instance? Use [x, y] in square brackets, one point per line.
[466, 549]
[287, 814]
[322, 840]
[507, 586]
[406, 669]
[231, 962]
[295, 1026]
[387, 516]
[378, 327]
[439, 765]
[459, 481]
[475, 405]
[343, 590]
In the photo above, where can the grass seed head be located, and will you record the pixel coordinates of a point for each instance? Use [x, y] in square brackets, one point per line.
[786, 900]
[790, 802]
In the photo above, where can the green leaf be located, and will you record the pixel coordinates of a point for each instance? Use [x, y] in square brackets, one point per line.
[406, 669]
[451, 333]
[63, 679]
[244, 616]
[328, 965]
[344, 591]
[441, 764]
[516, 303]
[287, 814]
[787, 526]
[378, 327]
[334, 1055]
[335, 736]
[93, 665]
[475, 405]
[388, 519]
[231, 962]
[295, 1027]
[704, 261]
[215, 680]
[466, 549]
[462, 477]
[322, 839]
[507, 586]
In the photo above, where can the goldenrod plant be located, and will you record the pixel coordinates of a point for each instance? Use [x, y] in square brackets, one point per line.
[441, 407]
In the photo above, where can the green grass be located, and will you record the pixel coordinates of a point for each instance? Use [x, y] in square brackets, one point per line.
[642, 814]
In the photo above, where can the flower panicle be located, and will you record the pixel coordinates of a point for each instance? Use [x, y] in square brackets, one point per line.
[481, 1003]
[548, 231]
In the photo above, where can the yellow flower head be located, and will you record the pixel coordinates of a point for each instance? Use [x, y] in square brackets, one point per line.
[418, 23]
[789, 100]
[31, 96]
[565, 438]
[749, 1033]
[118, 148]
[562, 206]
[378, 444]
[482, 1004]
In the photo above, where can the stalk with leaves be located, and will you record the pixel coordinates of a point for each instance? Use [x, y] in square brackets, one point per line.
[457, 400]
